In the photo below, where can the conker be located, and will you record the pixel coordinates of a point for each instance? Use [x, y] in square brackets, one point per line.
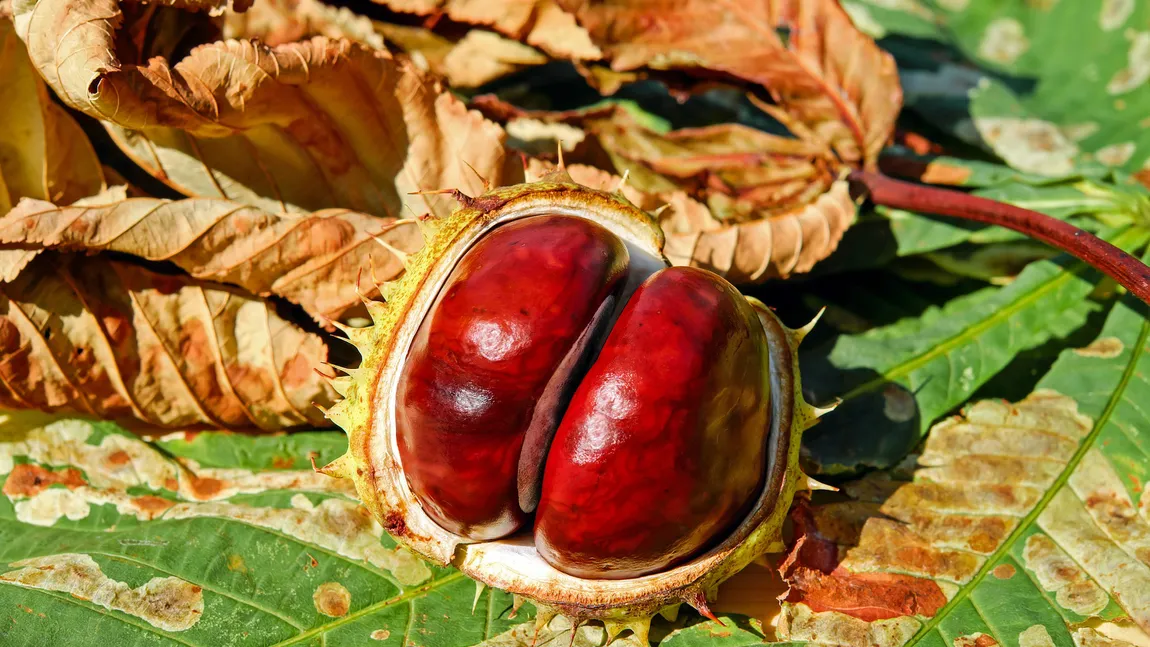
[545, 404]
[659, 452]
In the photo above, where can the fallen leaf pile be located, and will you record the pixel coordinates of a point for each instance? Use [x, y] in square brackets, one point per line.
[307, 139]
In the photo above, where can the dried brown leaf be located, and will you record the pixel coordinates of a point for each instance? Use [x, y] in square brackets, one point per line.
[478, 57]
[297, 127]
[114, 340]
[746, 204]
[826, 75]
[43, 152]
[314, 260]
[539, 23]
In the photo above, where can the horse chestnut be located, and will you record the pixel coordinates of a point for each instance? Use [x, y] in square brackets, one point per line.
[662, 448]
[545, 404]
[491, 361]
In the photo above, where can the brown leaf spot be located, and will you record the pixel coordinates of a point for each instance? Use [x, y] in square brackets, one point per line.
[152, 506]
[332, 599]
[204, 488]
[283, 462]
[1103, 348]
[941, 173]
[118, 458]
[380, 634]
[236, 563]
[977, 639]
[817, 579]
[29, 480]
[1003, 571]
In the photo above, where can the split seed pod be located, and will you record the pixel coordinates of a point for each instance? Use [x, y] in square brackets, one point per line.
[512, 563]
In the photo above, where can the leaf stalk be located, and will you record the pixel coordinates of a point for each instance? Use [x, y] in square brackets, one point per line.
[1127, 270]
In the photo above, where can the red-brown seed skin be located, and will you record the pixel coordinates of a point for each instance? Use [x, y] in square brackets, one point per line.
[661, 452]
[510, 311]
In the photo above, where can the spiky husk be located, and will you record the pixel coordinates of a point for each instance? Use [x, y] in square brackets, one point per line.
[372, 460]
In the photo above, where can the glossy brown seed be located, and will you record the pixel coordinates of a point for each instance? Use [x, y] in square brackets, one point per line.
[490, 363]
[661, 452]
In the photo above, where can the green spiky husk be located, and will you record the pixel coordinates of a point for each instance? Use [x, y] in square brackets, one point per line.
[366, 414]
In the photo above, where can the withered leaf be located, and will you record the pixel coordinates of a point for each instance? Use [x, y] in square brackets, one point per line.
[827, 76]
[43, 152]
[539, 23]
[297, 127]
[114, 340]
[478, 57]
[743, 203]
[314, 260]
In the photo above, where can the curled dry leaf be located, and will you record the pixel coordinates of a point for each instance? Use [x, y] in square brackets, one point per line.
[827, 77]
[479, 56]
[741, 202]
[297, 127]
[317, 260]
[114, 340]
[43, 152]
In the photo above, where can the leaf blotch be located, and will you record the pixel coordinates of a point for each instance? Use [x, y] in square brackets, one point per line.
[169, 603]
[1102, 348]
[332, 599]
[29, 480]
[380, 634]
[1003, 571]
[977, 639]
[1058, 573]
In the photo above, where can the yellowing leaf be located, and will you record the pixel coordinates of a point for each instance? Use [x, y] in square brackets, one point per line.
[114, 340]
[43, 152]
[315, 260]
[828, 77]
[297, 127]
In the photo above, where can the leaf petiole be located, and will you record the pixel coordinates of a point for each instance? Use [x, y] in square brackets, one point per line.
[1127, 270]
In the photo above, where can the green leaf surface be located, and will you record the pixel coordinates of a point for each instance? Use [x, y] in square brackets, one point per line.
[1067, 108]
[209, 539]
[1090, 511]
[1032, 519]
[900, 378]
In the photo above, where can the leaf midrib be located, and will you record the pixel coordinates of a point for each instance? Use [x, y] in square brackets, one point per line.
[399, 599]
[1060, 482]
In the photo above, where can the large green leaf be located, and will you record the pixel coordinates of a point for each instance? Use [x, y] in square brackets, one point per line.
[209, 539]
[1069, 106]
[900, 378]
[1031, 519]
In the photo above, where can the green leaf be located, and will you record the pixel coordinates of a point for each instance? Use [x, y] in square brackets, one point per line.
[208, 539]
[1073, 108]
[902, 377]
[1030, 518]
